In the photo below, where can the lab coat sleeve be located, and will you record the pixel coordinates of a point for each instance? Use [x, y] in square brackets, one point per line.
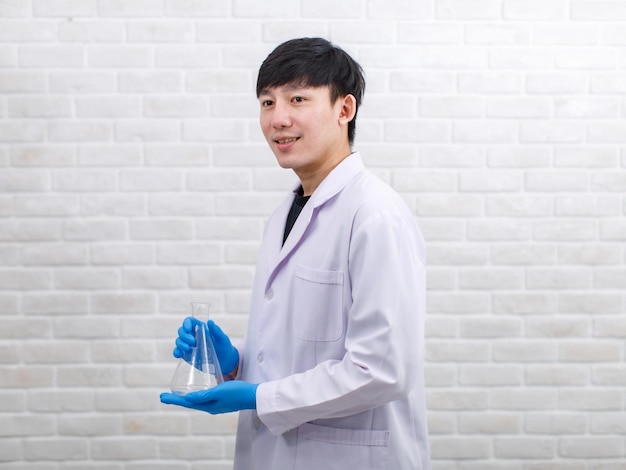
[384, 333]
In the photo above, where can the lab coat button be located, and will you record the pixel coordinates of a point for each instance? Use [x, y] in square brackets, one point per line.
[269, 294]
[259, 357]
[257, 423]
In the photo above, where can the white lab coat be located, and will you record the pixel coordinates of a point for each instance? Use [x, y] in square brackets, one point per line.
[336, 334]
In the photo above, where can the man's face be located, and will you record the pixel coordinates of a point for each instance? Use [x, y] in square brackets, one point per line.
[306, 132]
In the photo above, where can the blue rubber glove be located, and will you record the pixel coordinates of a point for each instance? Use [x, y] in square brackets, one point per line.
[224, 398]
[227, 354]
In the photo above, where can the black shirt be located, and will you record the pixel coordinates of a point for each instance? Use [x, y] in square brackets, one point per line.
[299, 201]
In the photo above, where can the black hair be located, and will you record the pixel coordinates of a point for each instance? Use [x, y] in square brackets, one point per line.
[314, 62]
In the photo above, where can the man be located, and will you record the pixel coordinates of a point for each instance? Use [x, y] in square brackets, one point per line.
[331, 372]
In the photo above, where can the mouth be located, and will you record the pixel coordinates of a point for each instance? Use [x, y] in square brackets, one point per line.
[288, 140]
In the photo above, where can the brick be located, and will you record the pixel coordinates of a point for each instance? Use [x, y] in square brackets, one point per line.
[556, 375]
[107, 107]
[612, 423]
[528, 351]
[33, 31]
[229, 228]
[467, 10]
[490, 376]
[609, 327]
[124, 449]
[56, 303]
[459, 448]
[15, 9]
[535, 10]
[526, 108]
[65, 8]
[586, 59]
[586, 157]
[598, 10]
[491, 279]
[130, 8]
[200, 56]
[416, 131]
[557, 424]
[609, 181]
[113, 204]
[181, 205]
[523, 399]
[212, 81]
[81, 425]
[590, 447]
[29, 279]
[444, 351]
[251, 9]
[150, 180]
[51, 56]
[82, 82]
[85, 279]
[573, 230]
[557, 278]
[43, 254]
[557, 327]
[196, 8]
[109, 155]
[27, 426]
[565, 34]
[54, 352]
[502, 230]
[511, 58]
[524, 303]
[164, 229]
[609, 278]
[91, 31]
[152, 81]
[499, 34]
[147, 131]
[421, 82]
[551, 132]
[154, 278]
[74, 131]
[220, 278]
[611, 375]
[30, 230]
[524, 447]
[43, 156]
[155, 31]
[85, 328]
[449, 107]
[487, 327]
[119, 303]
[589, 352]
[113, 352]
[122, 254]
[189, 253]
[589, 255]
[127, 56]
[18, 81]
[179, 106]
[484, 132]
[589, 303]
[21, 131]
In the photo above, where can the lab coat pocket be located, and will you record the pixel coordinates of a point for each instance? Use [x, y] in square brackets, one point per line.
[317, 304]
[333, 448]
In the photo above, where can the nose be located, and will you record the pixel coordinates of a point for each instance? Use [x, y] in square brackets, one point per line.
[281, 116]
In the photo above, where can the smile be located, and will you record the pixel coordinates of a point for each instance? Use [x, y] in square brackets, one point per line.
[286, 141]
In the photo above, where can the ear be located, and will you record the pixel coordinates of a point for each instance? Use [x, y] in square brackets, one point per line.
[347, 111]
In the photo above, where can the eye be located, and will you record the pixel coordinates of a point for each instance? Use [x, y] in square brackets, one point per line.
[298, 99]
[266, 103]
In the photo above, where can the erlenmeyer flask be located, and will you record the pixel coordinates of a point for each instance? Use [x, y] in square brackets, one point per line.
[199, 369]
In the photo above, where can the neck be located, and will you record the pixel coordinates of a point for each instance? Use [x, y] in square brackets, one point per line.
[310, 180]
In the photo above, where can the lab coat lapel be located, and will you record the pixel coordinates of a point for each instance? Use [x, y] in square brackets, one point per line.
[332, 184]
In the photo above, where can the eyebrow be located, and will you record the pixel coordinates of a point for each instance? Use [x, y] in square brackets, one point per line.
[296, 85]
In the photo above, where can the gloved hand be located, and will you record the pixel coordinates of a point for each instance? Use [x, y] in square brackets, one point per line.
[227, 354]
[224, 398]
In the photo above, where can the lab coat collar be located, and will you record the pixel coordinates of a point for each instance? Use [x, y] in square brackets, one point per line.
[334, 182]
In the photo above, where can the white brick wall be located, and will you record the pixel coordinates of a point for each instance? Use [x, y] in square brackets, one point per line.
[134, 179]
